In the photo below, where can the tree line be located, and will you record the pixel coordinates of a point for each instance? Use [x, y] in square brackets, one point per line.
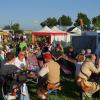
[64, 21]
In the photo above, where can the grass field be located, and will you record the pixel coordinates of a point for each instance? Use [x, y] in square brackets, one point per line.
[69, 91]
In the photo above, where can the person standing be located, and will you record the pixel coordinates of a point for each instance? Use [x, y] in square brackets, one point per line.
[23, 44]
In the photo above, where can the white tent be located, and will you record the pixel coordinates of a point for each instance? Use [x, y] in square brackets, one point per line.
[60, 36]
[74, 31]
[45, 29]
[56, 29]
[54, 33]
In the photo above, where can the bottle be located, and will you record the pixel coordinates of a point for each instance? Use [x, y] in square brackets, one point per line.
[24, 89]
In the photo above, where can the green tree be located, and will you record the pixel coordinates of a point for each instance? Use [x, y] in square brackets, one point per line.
[85, 19]
[96, 22]
[7, 27]
[16, 28]
[64, 21]
[50, 22]
[44, 23]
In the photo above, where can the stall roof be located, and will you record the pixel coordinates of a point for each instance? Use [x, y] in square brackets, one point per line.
[56, 29]
[47, 31]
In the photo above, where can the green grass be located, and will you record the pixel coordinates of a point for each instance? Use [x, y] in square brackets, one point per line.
[69, 91]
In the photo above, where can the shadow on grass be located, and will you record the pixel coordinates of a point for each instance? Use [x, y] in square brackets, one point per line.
[70, 91]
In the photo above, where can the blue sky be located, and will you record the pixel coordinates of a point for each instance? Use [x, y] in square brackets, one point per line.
[29, 13]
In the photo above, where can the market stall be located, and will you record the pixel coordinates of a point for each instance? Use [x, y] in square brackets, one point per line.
[54, 34]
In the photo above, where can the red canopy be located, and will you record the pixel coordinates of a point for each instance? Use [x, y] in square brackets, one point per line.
[47, 33]
[53, 33]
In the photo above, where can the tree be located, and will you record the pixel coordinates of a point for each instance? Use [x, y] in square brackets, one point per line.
[7, 27]
[82, 19]
[16, 28]
[50, 22]
[44, 23]
[96, 22]
[64, 21]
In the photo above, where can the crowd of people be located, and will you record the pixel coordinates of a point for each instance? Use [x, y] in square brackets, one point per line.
[46, 61]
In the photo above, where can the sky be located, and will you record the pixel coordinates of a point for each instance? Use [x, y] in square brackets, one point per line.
[29, 13]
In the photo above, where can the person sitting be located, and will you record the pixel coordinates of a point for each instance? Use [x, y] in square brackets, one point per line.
[80, 58]
[57, 55]
[52, 69]
[7, 73]
[88, 52]
[83, 79]
[20, 61]
[22, 44]
[83, 51]
[8, 66]
[71, 53]
[32, 62]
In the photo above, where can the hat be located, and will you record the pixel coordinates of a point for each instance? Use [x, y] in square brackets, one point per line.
[47, 56]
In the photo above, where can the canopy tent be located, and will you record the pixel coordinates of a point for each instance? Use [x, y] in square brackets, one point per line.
[45, 29]
[56, 29]
[60, 35]
[74, 31]
[54, 34]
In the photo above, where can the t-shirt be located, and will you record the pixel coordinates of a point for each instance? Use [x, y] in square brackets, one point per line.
[19, 63]
[32, 60]
[23, 45]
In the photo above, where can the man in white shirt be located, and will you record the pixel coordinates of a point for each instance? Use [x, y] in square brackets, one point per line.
[20, 61]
